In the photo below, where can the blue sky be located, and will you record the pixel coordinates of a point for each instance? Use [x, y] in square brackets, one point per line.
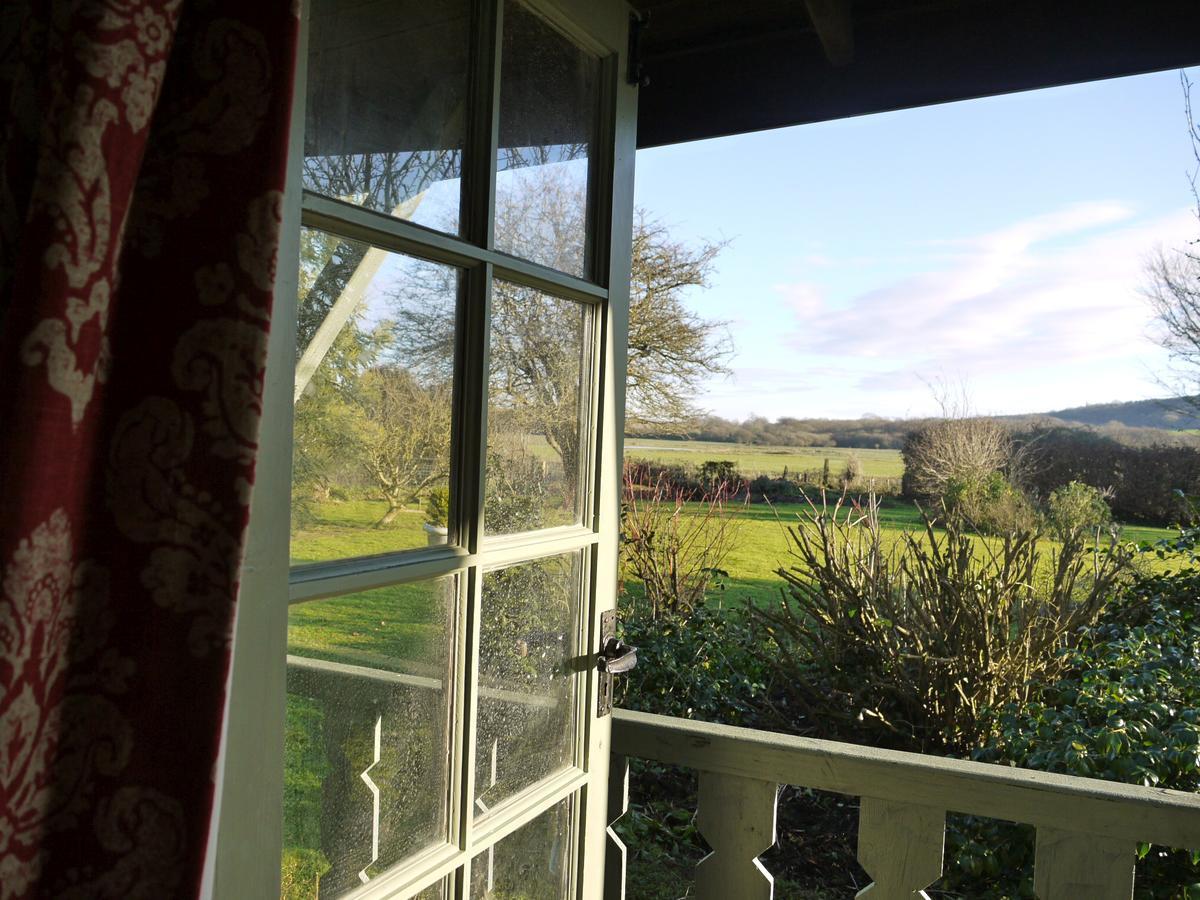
[996, 243]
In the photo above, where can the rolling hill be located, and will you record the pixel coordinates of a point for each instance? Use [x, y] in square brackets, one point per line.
[1168, 414]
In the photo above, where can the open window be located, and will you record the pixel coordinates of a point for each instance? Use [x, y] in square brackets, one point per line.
[446, 388]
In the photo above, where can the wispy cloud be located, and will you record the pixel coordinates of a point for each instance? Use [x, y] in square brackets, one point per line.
[1048, 290]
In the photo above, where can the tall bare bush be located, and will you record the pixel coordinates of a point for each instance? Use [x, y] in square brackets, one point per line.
[906, 643]
[675, 550]
[955, 451]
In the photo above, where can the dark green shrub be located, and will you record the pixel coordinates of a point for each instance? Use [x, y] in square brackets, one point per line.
[1077, 508]
[1147, 482]
[990, 504]
[776, 490]
[1128, 709]
[437, 507]
[714, 472]
[703, 666]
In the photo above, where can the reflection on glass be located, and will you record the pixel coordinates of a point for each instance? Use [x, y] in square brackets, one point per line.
[540, 353]
[532, 863]
[368, 706]
[385, 119]
[439, 891]
[548, 108]
[527, 639]
[373, 391]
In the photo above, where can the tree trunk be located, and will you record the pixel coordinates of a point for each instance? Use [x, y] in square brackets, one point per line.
[390, 516]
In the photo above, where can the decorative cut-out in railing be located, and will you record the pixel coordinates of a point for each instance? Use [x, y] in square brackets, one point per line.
[365, 775]
[614, 847]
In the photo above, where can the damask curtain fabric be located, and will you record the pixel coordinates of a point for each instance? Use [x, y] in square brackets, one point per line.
[142, 157]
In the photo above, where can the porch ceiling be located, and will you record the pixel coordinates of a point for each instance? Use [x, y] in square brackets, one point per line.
[717, 67]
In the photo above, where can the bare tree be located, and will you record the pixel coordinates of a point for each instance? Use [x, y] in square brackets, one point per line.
[671, 348]
[960, 448]
[1173, 287]
[404, 434]
[1173, 291]
[536, 350]
[381, 180]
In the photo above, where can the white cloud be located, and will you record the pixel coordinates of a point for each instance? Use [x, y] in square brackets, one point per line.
[1051, 289]
[802, 298]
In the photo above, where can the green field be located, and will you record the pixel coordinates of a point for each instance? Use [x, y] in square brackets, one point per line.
[762, 546]
[359, 623]
[753, 459]
[396, 623]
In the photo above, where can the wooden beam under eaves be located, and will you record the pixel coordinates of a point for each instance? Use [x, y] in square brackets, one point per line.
[832, 21]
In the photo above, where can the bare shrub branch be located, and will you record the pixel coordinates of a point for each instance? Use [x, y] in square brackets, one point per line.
[917, 637]
[676, 551]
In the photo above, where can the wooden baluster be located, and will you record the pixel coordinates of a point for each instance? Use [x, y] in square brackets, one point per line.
[736, 815]
[614, 850]
[901, 847]
[1072, 864]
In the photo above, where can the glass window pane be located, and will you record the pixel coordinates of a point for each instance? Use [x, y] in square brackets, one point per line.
[548, 109]
[374, 384]
[527, 639]
[532, 863]
[386, 106]
[367, 752]
[540, 354]
[439, 891]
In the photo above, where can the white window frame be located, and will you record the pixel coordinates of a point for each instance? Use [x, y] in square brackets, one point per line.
[246, 838]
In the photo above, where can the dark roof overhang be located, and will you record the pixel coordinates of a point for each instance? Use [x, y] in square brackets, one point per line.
[719, 68]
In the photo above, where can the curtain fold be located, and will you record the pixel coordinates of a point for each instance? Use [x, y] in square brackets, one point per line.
[142, 157]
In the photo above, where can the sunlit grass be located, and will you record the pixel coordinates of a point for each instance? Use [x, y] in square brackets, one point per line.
[388, 627]
[762, 546]
[397, 622]
[347, 528]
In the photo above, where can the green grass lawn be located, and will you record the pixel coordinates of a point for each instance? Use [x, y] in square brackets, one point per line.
[361, 622]
[753, 459]
[762, 546]
[390, 627]
[346, 528]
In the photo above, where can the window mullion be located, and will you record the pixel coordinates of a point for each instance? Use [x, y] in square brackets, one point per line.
[478, 208]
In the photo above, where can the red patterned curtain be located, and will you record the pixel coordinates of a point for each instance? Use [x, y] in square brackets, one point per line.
[142, 157]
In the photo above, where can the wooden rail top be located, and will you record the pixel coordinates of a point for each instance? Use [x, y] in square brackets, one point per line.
[1070, 803]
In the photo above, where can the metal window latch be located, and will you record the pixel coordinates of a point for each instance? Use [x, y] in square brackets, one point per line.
[615, 658]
